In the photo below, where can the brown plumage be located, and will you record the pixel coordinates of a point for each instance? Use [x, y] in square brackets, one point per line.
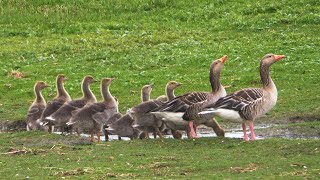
[170, 87]
[61, 98]
[192, 103]
[92, 117]
[64, 113]
[250, 103]
[122, 125]
[144, 120]
[36, 108]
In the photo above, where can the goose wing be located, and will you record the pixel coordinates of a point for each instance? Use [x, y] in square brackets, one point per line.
[181, 103]
[51, 107]
[147, 106]
[239, 100]
[34, 112]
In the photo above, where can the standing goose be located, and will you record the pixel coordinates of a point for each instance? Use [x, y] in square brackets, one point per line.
[53, 105]
[92, 117]
[36, 107]
[122, 125]
[64, 113]
[144, 120]
[250, 103]
[173, 111]
[170, 87]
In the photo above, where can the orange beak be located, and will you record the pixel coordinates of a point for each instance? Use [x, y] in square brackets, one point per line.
[278, 57]
[223, 59]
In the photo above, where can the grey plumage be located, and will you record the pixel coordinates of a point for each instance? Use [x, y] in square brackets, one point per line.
[92, 117]
[250, 103]
[36, 108]
[53, 105]
[193, 102]
[64, 113]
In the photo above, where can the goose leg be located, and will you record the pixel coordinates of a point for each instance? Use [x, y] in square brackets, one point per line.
[176, 134]
[146, 134]
[50, 129]
[119, 138]
[244, 128]
[215, 126]
[92, 138]
[192, 131]
[253, 136]
[159, 133]
[98, 134]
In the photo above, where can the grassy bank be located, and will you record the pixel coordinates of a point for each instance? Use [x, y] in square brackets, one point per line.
[40, 155]
[141, 42]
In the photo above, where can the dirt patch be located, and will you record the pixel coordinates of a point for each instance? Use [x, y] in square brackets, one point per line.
[11, 126]
[299, 119]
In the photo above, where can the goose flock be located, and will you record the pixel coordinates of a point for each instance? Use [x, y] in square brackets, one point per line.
[166, 114]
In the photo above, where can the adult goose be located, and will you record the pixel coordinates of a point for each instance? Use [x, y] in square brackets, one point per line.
[173, 110]
[248, 104]
[170, 87]
[37, 107]
[92, 117]
[53, 105]
[64, 113]
[121, 125]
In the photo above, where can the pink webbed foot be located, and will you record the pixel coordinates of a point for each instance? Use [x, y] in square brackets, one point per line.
[193, 133]
[244, 129]
[253, 136]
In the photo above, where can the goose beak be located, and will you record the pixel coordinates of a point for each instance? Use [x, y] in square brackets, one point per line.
[223, 59]
[278, 57]
[179, 84]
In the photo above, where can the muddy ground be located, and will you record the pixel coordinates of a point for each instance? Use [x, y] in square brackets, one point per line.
[293, 127]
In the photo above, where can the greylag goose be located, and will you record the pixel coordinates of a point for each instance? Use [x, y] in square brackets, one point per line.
[173, 110]
[122, 125]
[170, 87]
[145, 92]
[248, 104]
[92, 117]
[36, 107]
[64, 113]
[144, 120]
[53, 105]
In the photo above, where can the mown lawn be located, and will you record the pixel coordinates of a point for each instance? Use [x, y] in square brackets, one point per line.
[153, 41]
[43, 156]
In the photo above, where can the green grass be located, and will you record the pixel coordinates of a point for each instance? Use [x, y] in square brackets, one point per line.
[55, 156]
[141, 42]
[153, 41]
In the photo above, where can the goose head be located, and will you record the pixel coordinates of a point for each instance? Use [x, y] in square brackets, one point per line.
[107, 81]
[89, 79]
[271, 58]
[217, 65]
[173, 84]
[41, 85]
[61, 78]
[147, 88]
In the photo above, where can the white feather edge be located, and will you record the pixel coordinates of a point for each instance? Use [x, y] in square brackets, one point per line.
[223, 113]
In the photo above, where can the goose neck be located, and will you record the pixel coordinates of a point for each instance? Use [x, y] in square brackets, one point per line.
[106, 93]
[266, 79]
[145, 96]
[215, 81]
[87, 93]
[170, 93]
[61, 92]
[39, 97]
